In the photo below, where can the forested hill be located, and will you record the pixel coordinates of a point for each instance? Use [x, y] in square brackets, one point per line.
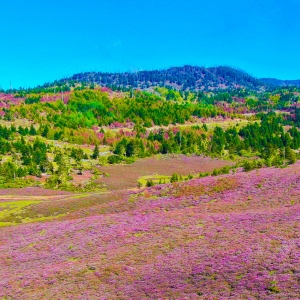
[182, 78]
[278, 82]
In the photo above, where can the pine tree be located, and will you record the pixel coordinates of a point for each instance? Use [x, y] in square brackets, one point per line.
[32, 130]
[95, 154]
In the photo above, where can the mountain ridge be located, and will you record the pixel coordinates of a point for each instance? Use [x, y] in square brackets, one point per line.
[187, 77]
[280, 82]
[182, 78]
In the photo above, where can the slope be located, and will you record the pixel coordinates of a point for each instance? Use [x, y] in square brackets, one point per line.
[228, 237]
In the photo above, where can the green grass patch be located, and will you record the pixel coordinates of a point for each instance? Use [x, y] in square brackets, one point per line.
[17, 212]
[156, 179]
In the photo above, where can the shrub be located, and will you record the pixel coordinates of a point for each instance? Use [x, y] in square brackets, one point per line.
[149, 183]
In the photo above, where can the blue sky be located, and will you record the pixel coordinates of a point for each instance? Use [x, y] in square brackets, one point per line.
[46, 40]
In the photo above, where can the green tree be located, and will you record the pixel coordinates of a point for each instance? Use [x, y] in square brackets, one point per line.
[95, 154]
[32, 130]
[290, 155]
[174, 178]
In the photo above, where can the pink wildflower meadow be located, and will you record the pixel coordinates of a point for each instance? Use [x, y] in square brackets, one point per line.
[228, 237]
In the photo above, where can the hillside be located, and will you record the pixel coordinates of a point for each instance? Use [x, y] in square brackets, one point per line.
[226, 237]
[183, 78]
[121, 193]
[278, 82]
[57, 136]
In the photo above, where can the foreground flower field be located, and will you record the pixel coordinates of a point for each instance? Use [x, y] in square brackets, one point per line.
[226, 237]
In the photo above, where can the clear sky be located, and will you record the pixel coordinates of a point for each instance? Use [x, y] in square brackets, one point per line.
[46, 40]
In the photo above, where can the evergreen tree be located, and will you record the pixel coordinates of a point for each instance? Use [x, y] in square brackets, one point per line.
[95, 154]
[32, 130]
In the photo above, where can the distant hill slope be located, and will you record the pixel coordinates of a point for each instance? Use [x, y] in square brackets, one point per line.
[184, 78]
[278, 82]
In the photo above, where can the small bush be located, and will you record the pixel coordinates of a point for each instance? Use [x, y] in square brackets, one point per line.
[149, 183]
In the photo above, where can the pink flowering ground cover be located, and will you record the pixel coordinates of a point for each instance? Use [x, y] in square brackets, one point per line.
[227, 237]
